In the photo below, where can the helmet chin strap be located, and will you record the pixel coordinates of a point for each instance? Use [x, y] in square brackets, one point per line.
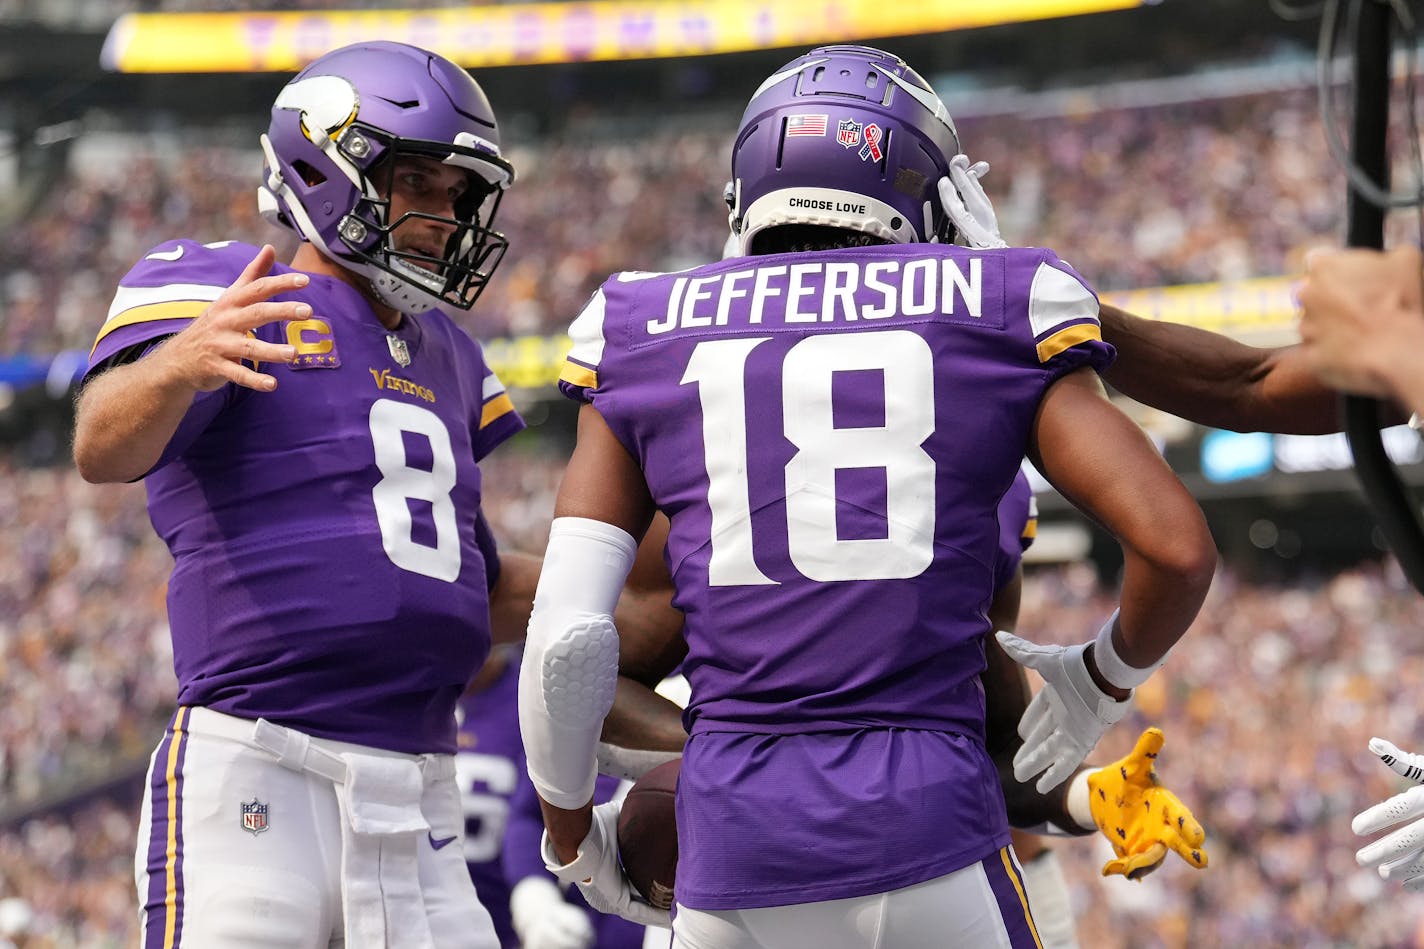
[396, 293]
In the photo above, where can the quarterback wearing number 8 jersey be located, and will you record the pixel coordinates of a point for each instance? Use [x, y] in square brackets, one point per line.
[310, 438]
[830, 423]
[349, 493]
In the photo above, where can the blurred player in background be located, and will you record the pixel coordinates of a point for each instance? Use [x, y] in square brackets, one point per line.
[502, 826]
[549, 913]
[833, 547]
[488, 766]
[309, 437]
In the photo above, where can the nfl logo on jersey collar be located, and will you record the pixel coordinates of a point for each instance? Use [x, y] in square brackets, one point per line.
[254, 816]
[400, 351]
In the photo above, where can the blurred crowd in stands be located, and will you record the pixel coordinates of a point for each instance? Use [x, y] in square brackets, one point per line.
[1267, 705]
[1219, 189]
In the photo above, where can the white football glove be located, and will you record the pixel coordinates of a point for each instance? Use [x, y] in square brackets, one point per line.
[545, 920]
[598, 874]
[968, 207]
[1067, 716]
[1398, 855]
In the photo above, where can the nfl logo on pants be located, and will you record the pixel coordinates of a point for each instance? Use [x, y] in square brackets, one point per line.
[254, 816]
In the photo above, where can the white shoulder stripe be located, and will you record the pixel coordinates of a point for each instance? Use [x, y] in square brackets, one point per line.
[492, 386]
[1057, 297]
[129, 297]
[587, 332]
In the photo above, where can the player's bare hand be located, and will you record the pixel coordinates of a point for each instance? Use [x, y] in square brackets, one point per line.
[1360, 322]
[221, 346]
[1140, 818]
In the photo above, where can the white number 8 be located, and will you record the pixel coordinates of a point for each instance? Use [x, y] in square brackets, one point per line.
[401, 483]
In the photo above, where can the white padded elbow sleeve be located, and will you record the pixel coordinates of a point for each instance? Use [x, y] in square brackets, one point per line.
[570, 668]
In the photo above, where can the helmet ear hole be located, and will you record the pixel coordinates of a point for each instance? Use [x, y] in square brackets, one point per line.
[310, 176]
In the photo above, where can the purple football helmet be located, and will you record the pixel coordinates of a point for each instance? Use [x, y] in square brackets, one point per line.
[846, 137]
[336, 130]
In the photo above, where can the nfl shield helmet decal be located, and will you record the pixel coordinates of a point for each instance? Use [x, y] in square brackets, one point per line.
[254, 816]
[848, 133]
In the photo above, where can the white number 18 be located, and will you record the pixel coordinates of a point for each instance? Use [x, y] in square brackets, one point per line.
[904, 360]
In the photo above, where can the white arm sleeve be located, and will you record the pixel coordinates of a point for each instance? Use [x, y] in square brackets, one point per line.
[570, 667]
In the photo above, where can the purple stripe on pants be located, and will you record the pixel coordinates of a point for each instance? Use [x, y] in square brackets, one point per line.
[163, 905]
[1007, 883]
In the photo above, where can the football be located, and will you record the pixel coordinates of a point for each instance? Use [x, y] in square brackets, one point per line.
[647, 834]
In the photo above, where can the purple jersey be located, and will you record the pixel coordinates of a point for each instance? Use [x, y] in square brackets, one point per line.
[489, 766]
[329, 571]
[830, 435]
[1018, 525]
[502, 819]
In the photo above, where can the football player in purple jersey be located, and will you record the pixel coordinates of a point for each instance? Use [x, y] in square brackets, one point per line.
[309, 436]
[502, 825]
[829, 424]
[489, 765]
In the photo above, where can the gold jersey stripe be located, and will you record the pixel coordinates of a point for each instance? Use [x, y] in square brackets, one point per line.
[1023, 899]
[170, 899]
[1066, 339]
[581, 376]
[1030, 530]
[495, 408]
[170, 310]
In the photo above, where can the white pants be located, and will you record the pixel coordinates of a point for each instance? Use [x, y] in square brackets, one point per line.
[242, 848]
[979, 907]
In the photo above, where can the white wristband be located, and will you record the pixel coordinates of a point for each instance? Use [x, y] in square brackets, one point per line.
[630, 764]
[1079, 802]
[1112, 666]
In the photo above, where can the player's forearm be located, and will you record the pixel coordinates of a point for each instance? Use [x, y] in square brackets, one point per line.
[1030, 809]
[567, 828]
[649, 634]
[1161, 597]
[513, 596]
[642, 719]
[1214, 380]
[124, 419]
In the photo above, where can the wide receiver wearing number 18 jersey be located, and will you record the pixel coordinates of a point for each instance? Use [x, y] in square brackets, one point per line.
[830, 435]
[829, 423]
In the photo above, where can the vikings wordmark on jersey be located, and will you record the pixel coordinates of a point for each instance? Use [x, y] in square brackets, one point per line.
[836, 430]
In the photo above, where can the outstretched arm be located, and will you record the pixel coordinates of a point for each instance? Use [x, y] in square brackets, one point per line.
[1215, 380]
